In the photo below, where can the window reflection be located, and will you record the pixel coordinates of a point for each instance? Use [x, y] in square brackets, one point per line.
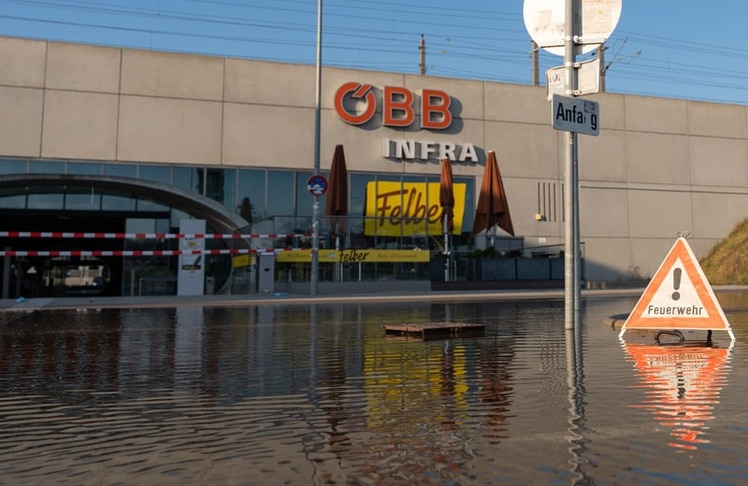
[83, 199]
[46, 167]
[84, 168]
[13, 202]
[220, 186]
[12, 166]
[49, 200]
[155, 173]
[251, 194]
[121, 170]
[280, 192]
[189, 178]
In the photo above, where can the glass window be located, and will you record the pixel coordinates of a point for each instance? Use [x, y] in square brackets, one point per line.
[83, 199]
[149, 205]
[251, 194]
[189, 178]
[221, 186]
[113, 202]
[46, 167]
[304, 200]
[13, 166]
[155, 173]
[84, 168]
[280, 193]
[469, 216]
[49, 200]
[13, 202]
[121, 170]
[357, 193]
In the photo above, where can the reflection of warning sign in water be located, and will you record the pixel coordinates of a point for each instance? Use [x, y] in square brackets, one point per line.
[678, 297]
[683, 385]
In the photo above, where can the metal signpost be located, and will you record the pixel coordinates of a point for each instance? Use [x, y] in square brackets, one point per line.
[569, 28]
[314, 280]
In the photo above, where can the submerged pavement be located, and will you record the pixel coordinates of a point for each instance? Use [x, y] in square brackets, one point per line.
[282, 298]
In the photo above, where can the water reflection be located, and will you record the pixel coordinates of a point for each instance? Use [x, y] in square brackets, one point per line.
[683, 386]
[320, 394]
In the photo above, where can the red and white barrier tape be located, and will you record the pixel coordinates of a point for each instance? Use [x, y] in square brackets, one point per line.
[123, 253]
[61, 234]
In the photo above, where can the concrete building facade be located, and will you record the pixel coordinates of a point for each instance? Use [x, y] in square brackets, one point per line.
[658, 167]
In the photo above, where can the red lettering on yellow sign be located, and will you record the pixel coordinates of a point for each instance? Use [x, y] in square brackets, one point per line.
[406, 207]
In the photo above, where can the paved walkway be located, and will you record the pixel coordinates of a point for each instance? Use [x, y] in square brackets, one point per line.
[59, 303]
[46, 304]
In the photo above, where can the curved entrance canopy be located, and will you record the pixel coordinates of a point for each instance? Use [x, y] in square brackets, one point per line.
[217, 216]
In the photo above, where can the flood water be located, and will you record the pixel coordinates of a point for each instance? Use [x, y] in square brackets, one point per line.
[320, 395]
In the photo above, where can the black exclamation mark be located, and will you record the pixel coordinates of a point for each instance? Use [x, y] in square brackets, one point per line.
[676, 283]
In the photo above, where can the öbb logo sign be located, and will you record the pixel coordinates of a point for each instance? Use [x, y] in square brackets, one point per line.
[397, 106]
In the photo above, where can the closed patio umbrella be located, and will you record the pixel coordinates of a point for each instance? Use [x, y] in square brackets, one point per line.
[492, 208]
[336, 207]
[447, 203]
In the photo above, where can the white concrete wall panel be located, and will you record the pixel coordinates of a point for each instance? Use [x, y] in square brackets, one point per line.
[23, 62]
[270, 83]
[525, 150]
[169, 130]
[284, 138]
[656, 115]
[602, 158]
[657, 158]
[21, 121]
[150, 73]
[715, 120]
[604, 211]
[516, 104]
[719, 161]
[711, 207]
[612, 111]
[80, 125]
[80, 67]
[659, 213]
[607, 259]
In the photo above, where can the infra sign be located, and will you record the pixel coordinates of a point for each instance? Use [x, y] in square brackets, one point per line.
[575, 115]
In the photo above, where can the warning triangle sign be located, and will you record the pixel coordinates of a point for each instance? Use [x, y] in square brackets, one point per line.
[678, 297]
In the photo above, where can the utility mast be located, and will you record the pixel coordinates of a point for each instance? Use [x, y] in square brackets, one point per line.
[535, 64]
[422, 51]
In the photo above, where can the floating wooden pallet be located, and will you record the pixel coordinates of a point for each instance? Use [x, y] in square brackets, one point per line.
[435, 329]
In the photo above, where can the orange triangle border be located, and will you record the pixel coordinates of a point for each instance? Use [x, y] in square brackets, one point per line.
[716, 319]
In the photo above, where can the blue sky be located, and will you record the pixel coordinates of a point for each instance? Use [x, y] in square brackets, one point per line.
[669, 48]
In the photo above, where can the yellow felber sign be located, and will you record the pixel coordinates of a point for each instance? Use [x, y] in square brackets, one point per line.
[355, 256]
[242, 261]
[409, 208]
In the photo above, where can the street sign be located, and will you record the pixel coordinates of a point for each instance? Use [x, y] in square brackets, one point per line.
[678, 297]
[545, 21]
[317, 185]
[575, 115]
[588, 79]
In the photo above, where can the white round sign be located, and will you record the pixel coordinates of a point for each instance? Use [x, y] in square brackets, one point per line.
[545, 21]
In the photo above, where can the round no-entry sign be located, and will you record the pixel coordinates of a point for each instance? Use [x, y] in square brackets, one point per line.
[317, 185]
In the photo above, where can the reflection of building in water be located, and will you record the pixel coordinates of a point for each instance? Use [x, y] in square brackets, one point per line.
[401, 380]
[495, 391]
[683, 385]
